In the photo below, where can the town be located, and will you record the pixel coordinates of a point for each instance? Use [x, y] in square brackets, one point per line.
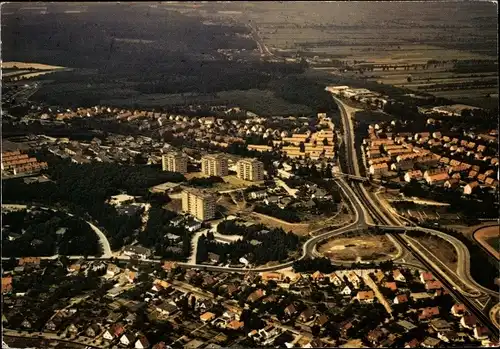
[227, 188]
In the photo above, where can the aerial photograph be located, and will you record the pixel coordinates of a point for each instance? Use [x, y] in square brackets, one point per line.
[250, 174]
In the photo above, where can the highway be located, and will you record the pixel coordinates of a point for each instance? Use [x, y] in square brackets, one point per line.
[393, 222]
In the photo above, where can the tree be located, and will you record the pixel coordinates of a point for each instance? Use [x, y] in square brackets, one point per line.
[302, 147]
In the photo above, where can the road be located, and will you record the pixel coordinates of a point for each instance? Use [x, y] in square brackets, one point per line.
[264, 51]
[393, 222]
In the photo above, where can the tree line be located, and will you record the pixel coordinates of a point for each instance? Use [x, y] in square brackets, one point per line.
[257, 245]
[84, 188]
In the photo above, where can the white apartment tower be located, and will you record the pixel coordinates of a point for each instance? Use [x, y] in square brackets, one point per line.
[174, 162]
[250, 170]
[214, 165]
[199, 204]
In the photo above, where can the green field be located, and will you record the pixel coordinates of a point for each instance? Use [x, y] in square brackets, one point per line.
[494, 242]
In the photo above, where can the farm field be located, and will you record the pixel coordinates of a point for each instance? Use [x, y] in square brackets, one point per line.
[362, 247]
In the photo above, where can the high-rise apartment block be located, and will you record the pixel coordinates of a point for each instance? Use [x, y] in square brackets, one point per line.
[199, 204]
[250, 170]
[214, 165]
[174, 162]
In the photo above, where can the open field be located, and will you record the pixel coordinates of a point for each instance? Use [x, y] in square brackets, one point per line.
[489, 238]
[300, 229]
[363, 247]
[441, 249]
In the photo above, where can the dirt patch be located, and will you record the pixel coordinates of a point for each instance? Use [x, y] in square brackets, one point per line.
[297, 228]
[441, 249]
[489, 238]
[364, 247]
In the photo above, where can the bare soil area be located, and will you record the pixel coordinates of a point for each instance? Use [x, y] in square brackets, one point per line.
[441, 249]
[364, 247]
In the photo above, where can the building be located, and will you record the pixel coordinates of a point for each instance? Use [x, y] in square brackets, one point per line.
[174, 162]
[214, 165]
[199, 204]
[250, 170]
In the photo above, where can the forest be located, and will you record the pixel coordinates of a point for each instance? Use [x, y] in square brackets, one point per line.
[258, 244]
[84, 188]
[154, 235]
[45, 233]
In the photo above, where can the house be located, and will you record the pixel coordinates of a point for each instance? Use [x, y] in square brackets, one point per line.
[193, 226]
[458, 309]
[440, 325]
[54, 323]
[391, 285]
[406, 325]
[259, 194]
[374, 336]
[6, 284]
[427, 313]
[412, 343]
[471, 188]
[398, 276]
[430, 342]
[137, 251]
[365, 296]
[481, 333]
[114, 331]
[335, 280]
[438, 178]
[112, 270]
[33, 261]
[468, 321]
[432, 285]
[166, 308]
[379, 169]
[160, 345]
[400, 299]
[346, 291]
[176, 221]
[127, 339]
[354, 279]
[379, 276]
[426, 276]
[141, 343]
[321, 320]
[344, 327]
[256, 295]
[235, 325]
[93, 330]
[267, 276]
[416, 175]
[206, 317]
[290, 310]
[306, 315]
[213, 258]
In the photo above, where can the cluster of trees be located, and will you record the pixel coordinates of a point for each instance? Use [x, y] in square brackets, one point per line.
[274, 210]
[205, 182]
[274, 245]
[84, 188]
[154, 234]
[299, 89]
[38, 233]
